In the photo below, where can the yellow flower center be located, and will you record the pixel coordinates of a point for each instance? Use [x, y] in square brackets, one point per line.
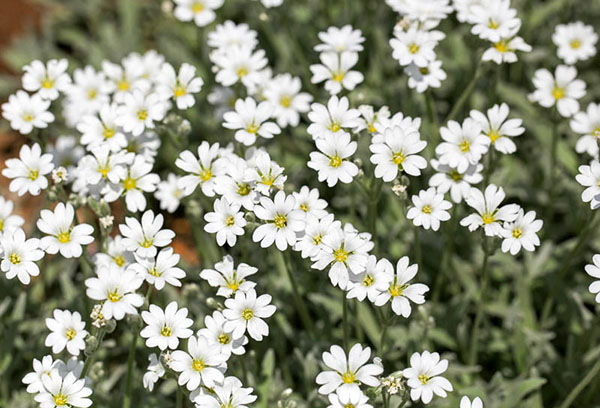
[47, 83]
[493, 24]
[230, 221]
[317, 240]
[575, 44]
[147, 243]
[304, 207]
[64, 237]
[15, 259]
[1, 225]
[267, 180]
[242, 72]
[28, 117]
[596, 132]
[114, 296]
[558, 93]
[142, 114]
[426, 209]
[223, 338]
[179, 91]
[334, 127]
[371, 128]
[243, 189]
[285, 101]
[398, 158]
[487, 218]
[166, 331]
[340, 255]
[233, 285]
[129, 183]
[424, 379]
[92, 93]
[280, 221]
[154, 272]
[349, 405]
[119, 260]
[396, 290]
[348, 377]
[205, 175]
[33, 174]
[464, 146]
[252, 128]
[517, 233]
[70, 334]
[60, 400]
[493, 135]
[103, 170]
[247, 314]
[107, 133]
[335, 161]
[368, 280]
[338, 76]
[502, 46]
[455, 175]
[197, 365]
[123, 85]
[197, 7]
[424, 71]
[413, 48]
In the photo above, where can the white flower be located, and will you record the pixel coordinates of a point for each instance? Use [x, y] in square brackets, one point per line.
[587, 124]
[139, 112]
[153, 373]
[429, 209]
[282, 221]
[216, 334]
[505, 50]
[203, 364]
[228, 278]
[465, 402]
[423, 78]
[336, 70]
[340, 39]
[27, 112]
[371, 118]
[180, 86]
[496, 126]
[594, 271]
[494, 20]
[309, 202]
[143, 238]
[373, 281]
[264, 173]
[138, 180]
[397, 151]
[29, 170]
[19, 255]
[115, 254]
[251, 120]
[311, 243]
[230, 34]
[47, 80]
[463, 145]
[229, 394]
[522, 232]
[575, 41]
[245, 313]
[488, 214]
[67, 331]
[64, 391]
[204, 170]
[165, 328]
[227, 221]
[352, 397]
[283, 92]
[399, 291]
[202, 12]
[424, 376]
[169, 194]
[103, 166]
[562, 89]
[589, 176]
[45, 368]
[88, 92]
[347, 372]
[332, 160]
[414, 46]
[449, 179]
[61, 235]
[333, 118]
[116, 289]
[159, 271]
[8, 221]
[238, 63]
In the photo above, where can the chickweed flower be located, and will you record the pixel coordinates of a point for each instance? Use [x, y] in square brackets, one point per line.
[424, 377]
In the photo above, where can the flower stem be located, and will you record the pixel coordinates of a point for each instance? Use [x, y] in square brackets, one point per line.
[345, 319]
[179, 400]
[384, 328]
[374, 194]
[90, 359]
[433, 118]
[581, 385]
[417, 245]
[445, 262]
[466, 93]
[479, 313]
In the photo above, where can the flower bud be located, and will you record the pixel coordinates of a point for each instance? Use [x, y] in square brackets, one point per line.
[91, 344]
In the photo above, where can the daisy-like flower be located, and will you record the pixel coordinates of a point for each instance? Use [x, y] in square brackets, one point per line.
[463, 145]
[115, 254]
[19, 255]
[335, 69]
[465, 402]
[202, 12]
[424, 378]
[575, 41]
[115, 288]
[311, 243]
[397, 151]
[282, 221]
[67, 331]
[161, 270]
[496, 126]
[181, 86]
[64, 391]
[203, 364]
[245, 313]
[488, 214]
[45, 368]
[373, 281]
[203, 170]
[28, 172]
[165, 328]
[228, 278]
[495, 20]
[169, 194]
[283, 92]
[505, 50]
[61, 234]
[138, 180]
[449, 179]
[562, 89]
[27, 112]
[340, 39]
[143, 238]
[352, 397]
[251, 120]
[587, 124]
[8, 221]
[594, 271]
[521, 233]
[414, 46]
[103, 166]
[227, 221]
[333, 118]
[154, 371]
[423, 78]
[309, 202]
[264, 173]
[88, 92]
[140, 111]
[100, 129]
[238, 64]
[589, 176]
[332, 160]
[230, 34]
[47, 80]
[347, 372]
[229, 394]
[429, 209]
[216, 334]
[371, 118]
[400, 292]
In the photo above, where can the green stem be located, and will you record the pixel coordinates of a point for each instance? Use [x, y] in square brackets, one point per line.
[445, 262]
[179, 400]
[384, 328]
[345, 319]
[374, 194]
[90, 359]
[417, 245]
[479, 313]
[466, 93]
[581, 385]
[433, 118]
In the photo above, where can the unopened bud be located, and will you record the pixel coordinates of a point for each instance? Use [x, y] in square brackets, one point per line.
[111, 325]
[91, 344]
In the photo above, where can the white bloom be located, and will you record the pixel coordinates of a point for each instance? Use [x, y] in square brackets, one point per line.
[27, 112]
[494, 20]
[463, 145]
[143, 238]
[340, 39]
[448, 179]
[216, 334]
[283, 92]
[45, 368]
[238, 63]
[139, 112]
[103, 166]
[204, 170]
[115, 254]
[251, 120]
[61, 235]
[587, 124]
[423, 78]
[67, 331]
[309, 202]
[371, 118]
[424, 376]
[373, 281]
[47, 80]
[137, 181]
[465, 402]
[400, 291]
[169, 194]
[589, 176]
[336, 70]
[575, 41]
[227, 221]
[347, 372]
[29, 170]
[64, 391]
[594, 271]
[116, 289]
[282, 221]
[19, 255]
[245, 313]
[264, 173]
[202, 12]
[203, 364]
[153, 373]
[562, 89]
[496, 126]
[88, 92]
[352, 397]
[414, 46]
[229, 394]
[311, 243]
[8, 221]
[230, 34]
[159, 271]
[429, 209]
[505, 50]
[488, 214]
[522, 232]
[228, 278]
[332, 160]
[180, 86]
[165, 328]
[333, 118]
[397, 151]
